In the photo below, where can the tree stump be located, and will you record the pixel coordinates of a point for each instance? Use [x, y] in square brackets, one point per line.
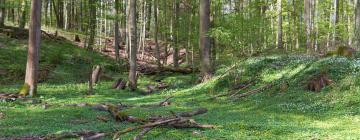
[77, 38]
[96, 74]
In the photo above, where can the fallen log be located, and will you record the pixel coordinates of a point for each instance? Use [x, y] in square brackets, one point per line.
[152, 70]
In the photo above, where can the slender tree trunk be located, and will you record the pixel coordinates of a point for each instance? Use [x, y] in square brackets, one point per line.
[92, 24]
[357, 25]
[117, 32]
[280, 29]
[156, 33]
[307, 15]
[335, 21]
[23, 14]
[32, 65]
[175, 33]
[148, 16]
[204, 42]
[133, 44]
[2, 12]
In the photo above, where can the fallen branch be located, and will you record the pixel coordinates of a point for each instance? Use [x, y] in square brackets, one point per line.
[242, 88]
[117, 134]
[177, 120]
[255, 91]
[165, 102]
[142, 133]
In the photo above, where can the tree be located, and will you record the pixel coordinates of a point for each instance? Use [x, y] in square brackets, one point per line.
[204, 42]
[132, 28]
[156, 32]
[32, 65]
[22, 20]
[92, 24]
[2, 13]
[307, 15]
[335, 21]
[357, 24]
[117, 32]
[175, 33]
[280, 31]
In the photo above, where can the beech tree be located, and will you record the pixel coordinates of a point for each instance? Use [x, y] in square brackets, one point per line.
[132, 31]
[357, 24]
[2, 12]
[32, 65]
[205, 49]
[280, 28]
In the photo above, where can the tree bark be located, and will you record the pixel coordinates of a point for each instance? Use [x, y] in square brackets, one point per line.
[32, 66]
[92, 24]
[335, 21]
[357, 24]
[280, 28]
[307, 15]
[132, 28]
[22, 20]
[175, 33]
[117, 32]
[156, 33]
[205, 49]
[2, 12]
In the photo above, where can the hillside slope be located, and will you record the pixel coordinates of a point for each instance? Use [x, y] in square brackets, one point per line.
[296, 113]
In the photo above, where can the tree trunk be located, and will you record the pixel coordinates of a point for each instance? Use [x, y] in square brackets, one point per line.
[22, 20]
[280, 31]
[156, 33]
[307, 15]
[205, 50]
[92, 24]
[95, 76]
[335, 21]
[2, 12]
[117, 32]
[175, 33]
[357, 24]
[132, 28]
[32, 65]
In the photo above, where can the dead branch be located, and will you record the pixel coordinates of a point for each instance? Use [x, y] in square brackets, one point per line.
[117, 134]
[242, 88]
[177, 120]
[165, 102]
[142, 133]
[255, 91]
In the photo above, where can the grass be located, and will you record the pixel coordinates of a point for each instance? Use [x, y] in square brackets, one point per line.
[296, 114]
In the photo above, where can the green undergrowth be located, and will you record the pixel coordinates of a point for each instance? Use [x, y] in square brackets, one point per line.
[297, 113]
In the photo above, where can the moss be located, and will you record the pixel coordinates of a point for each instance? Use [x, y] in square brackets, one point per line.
[24, 90]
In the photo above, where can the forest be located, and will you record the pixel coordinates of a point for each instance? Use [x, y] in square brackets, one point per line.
[179, 69]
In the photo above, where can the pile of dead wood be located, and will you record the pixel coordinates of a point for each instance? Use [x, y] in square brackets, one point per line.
[176, 120]
[8, 97]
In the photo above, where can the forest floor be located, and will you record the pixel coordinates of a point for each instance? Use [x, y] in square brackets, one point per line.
[295, 113]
